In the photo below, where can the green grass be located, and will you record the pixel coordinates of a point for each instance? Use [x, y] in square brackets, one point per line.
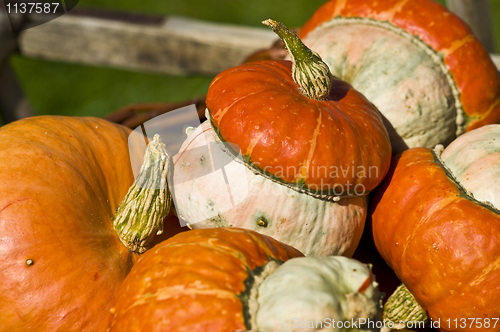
[495, 18]
[66, 89]
[248, 12]
[59, 88]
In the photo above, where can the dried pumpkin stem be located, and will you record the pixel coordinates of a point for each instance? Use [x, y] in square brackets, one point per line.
[308, 69]
[148, 201]
[402, 306]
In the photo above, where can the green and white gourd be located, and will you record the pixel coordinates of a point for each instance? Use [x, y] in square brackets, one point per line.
[303, 292]
[399, 74]
[474, 161]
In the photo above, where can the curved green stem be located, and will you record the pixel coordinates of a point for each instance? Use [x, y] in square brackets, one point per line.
[308, 70]
[148, 201]
[403, 307]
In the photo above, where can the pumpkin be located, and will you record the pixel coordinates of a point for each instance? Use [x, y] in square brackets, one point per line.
[314, 226]
[61, 180]
[416, 61]
[436, 222]
[338, 291]
[230, 279]
[311, 149]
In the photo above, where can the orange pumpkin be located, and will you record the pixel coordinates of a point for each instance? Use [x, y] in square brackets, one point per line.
[61, 180]
[230, 279]
[201, 280]
[415, 60]
[436, 222]
[269, 112]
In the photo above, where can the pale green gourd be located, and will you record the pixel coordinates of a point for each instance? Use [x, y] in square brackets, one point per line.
[315, 293]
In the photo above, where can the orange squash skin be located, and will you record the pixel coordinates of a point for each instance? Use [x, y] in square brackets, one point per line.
[260, 108]
[201, 289]
[61, 180]
[470, 65]
[443, 246]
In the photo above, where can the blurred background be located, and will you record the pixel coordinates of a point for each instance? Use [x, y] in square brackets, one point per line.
[70, 89]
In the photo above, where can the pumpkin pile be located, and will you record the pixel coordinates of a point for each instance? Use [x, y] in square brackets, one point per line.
[230, 279]
[275, 188]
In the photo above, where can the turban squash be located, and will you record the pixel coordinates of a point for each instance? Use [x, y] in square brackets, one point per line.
[61, 180]
[416, 61]
[436, 222]
[230, 279]
[310, 149]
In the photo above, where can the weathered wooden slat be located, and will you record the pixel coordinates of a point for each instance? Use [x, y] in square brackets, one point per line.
[496, 60]
[477, 14]
[172, 45]
[157, 44]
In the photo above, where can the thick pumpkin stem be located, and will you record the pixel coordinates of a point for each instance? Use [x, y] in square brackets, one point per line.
[402, 306]
[148, 201]
[308, 69]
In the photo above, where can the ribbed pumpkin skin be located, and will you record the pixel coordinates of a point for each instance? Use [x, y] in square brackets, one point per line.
[447, 38]
[259, 107]
[61, 180]
[443, 246]
[194, 281]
